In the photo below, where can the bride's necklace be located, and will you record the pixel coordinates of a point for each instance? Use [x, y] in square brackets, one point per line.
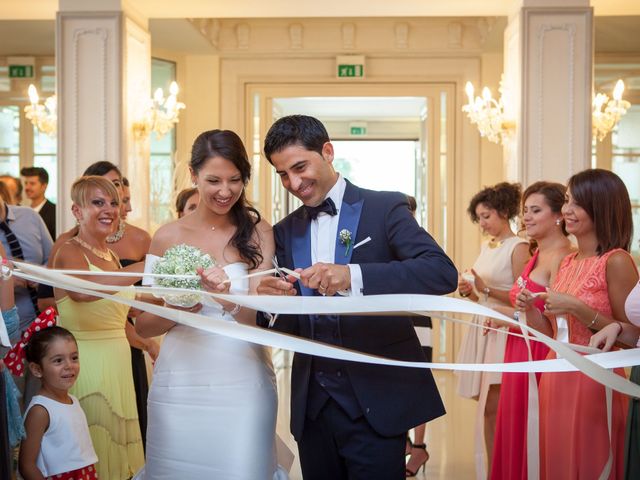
[106, 256]
[116, 237]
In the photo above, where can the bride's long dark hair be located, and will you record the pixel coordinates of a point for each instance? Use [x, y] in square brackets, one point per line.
[226, 144]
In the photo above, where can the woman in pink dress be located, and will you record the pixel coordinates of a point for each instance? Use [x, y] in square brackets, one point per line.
[588, 293]
[542, 218]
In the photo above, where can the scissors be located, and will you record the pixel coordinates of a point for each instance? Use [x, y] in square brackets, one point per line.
[283, 276]
[279, 271]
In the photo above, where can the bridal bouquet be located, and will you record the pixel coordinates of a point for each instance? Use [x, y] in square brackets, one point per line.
[182, 260]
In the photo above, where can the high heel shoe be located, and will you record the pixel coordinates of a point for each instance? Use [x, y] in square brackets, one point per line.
[413, 473]
[408, 446]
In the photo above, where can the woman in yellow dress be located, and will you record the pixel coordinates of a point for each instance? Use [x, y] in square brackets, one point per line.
[105, 387]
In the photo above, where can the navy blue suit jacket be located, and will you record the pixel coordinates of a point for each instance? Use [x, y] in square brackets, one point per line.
[400, 258]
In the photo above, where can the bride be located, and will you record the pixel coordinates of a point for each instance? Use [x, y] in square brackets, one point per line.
[213, 401]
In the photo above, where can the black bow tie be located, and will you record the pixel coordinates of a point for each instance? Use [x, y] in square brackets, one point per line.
[327, 206]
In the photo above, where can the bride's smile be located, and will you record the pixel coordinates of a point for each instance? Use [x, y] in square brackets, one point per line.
[220, 184]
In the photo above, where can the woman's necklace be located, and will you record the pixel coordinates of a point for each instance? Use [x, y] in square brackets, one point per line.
[106, 256]
[493, 243]
[116, 237]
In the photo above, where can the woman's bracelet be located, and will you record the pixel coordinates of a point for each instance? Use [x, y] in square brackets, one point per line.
[595, 319]
[234, 311]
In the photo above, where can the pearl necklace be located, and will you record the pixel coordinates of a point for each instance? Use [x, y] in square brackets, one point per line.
[98, 253]
[116, 237]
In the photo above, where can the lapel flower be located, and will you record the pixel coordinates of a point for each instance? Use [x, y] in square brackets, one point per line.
[345, 239]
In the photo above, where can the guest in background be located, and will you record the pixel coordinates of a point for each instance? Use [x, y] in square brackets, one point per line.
[131, 244]
[105, 390]
[10, 416]
[36, 180]
[417, 449]
[588, 293]
[500, 262]
[24, 237]
[628, 336]
[187, 201]
[15, 188]
[542, 219]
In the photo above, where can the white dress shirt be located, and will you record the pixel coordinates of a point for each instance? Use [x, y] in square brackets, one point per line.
[324, 232]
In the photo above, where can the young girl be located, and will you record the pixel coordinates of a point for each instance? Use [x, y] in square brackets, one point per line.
[58, 444]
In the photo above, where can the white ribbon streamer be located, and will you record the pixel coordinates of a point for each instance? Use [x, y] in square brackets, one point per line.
[592, 365]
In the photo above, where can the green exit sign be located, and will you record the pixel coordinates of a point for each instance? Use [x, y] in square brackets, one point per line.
[350, 71]
[358, 131]
[20, 71]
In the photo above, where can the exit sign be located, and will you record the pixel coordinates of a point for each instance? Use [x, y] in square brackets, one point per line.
[20, 71]
[350, 70]
[356, 131]
[350, 66]
[21, 67]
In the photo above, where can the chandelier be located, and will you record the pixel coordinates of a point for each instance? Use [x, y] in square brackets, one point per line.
[160, 114]
[44, 117]
[488, 114]
[603, 121]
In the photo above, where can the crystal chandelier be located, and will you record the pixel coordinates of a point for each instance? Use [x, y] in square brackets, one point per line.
[44, 117]
[488, 114]
[603, 121]
[160, 115]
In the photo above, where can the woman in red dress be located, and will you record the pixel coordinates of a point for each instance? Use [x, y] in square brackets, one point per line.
[542, 218]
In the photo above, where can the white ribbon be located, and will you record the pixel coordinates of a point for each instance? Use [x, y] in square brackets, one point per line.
[594, 366]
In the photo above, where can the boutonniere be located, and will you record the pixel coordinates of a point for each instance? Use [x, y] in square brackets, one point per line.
[345, 239]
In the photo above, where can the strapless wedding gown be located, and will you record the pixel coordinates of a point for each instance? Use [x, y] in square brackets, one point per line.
[212, 405]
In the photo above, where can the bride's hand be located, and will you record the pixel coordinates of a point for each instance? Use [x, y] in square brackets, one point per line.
[214, 279]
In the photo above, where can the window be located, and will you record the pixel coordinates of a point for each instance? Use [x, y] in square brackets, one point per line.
[21, 144]
[161, 163]
[10, 140]
[625, 161]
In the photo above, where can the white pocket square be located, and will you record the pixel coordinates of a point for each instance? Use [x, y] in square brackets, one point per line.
[359, 244]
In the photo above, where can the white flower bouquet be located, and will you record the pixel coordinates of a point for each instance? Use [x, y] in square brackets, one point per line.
[182, 260]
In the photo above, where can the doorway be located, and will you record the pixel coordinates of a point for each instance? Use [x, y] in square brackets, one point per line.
[409, 124]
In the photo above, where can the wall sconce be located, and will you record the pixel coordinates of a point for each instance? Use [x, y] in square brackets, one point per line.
[604, 121]
[160, 115]
[44, 117]
[488, 114]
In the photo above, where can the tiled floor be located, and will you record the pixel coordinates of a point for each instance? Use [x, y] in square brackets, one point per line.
[449, 439]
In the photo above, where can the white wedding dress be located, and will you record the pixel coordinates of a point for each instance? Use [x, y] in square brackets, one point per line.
[212, 405]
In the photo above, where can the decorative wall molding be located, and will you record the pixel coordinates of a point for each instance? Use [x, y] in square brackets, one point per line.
[543, 30]
[454, 35]
[348, 36]
[242, 36]
[402, 35]
[295, 36]
[78, 36]
[377, 36]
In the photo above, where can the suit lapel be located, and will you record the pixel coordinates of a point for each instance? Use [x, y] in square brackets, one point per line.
[350, 212]
[301, 244]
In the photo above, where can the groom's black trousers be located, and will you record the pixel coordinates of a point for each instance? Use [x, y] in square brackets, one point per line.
[335, 447]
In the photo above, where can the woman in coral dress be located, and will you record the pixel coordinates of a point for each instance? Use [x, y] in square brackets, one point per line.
[542, 218]
[589, 290]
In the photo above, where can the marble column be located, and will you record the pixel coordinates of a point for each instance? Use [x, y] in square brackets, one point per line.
[548, 59]
[103, 62]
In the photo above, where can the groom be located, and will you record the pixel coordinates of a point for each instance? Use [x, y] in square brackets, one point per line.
[350, 419]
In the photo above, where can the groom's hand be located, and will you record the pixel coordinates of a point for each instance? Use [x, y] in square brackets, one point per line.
[327, 278]
[276, 286]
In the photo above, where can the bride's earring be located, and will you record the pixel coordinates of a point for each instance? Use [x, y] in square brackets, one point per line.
[558, 221]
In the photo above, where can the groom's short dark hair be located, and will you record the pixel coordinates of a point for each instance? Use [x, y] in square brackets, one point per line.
[303, 130]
